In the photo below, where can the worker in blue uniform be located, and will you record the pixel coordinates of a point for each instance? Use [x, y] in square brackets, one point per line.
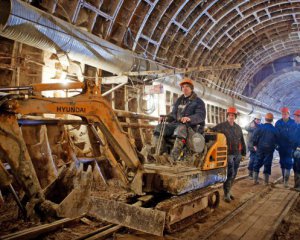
[264, 140]
[286, 127]
[250, 128]
[296, 152]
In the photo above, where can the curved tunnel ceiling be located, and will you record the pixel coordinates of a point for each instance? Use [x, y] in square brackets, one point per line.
[185, 33]
[289, 84]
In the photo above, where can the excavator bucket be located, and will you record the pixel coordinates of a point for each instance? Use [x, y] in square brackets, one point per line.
[67, 196]
[74, 186]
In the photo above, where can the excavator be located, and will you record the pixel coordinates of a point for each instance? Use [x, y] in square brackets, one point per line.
[148, 194]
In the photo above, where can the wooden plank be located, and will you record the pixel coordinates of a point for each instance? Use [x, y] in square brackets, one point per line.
[183, 70]
[254, 215]
[90, 234]
[232, 227]
[105, 234]
[258, 221]
[34, 232]
[268, 217]
[273, 228]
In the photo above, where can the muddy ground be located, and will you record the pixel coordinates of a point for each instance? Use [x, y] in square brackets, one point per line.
[10, 220]
[289, 228]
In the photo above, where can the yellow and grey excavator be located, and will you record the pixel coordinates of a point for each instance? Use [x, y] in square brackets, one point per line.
[158, 196]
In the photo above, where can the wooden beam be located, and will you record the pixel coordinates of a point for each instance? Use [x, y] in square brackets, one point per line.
[183, 70]
[136, 125]
[34, 232]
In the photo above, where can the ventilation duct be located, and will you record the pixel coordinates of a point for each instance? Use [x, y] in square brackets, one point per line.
[21, 22]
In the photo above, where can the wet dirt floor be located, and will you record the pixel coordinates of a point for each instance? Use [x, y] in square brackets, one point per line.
[289, 228]
[242, 190]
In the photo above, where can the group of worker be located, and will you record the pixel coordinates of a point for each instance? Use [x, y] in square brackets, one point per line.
[189, 110]
[263, 139]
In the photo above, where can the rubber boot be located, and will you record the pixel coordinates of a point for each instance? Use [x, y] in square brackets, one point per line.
[283, 172]
[266, 178]
[250, 174]
[226, 187]
[227, 197]
[230, 194]
[297, 181]
[286, 178]
[177, 149]
[255, 178]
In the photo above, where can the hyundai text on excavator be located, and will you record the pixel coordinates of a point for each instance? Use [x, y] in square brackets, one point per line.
[154, 195]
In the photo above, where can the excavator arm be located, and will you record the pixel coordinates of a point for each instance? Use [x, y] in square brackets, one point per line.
[92, 108]
[88, 105]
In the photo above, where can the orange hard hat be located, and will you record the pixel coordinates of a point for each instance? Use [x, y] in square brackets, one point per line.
[186, 81]
[232, 110]
[297, 112]
[285, 110]
[269, 116]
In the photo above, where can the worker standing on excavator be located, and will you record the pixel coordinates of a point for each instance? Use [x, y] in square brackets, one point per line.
[250, 128]
[296, 151]
[236, 148]
[188, 111]
[286, 127]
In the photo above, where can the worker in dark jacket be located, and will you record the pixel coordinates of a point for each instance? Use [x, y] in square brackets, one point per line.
[236, 148]
[286, 127]
[188, 111]
[250, 128]
[264, 139]
[296, 152]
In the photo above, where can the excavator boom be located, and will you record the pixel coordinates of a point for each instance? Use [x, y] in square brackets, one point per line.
[95, 109]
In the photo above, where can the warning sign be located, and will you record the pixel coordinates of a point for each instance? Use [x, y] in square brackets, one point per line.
[154, 89]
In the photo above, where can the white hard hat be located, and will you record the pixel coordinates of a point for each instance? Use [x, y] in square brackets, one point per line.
[257, 116]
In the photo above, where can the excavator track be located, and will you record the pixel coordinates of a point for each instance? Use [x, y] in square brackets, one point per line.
[182, 211]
